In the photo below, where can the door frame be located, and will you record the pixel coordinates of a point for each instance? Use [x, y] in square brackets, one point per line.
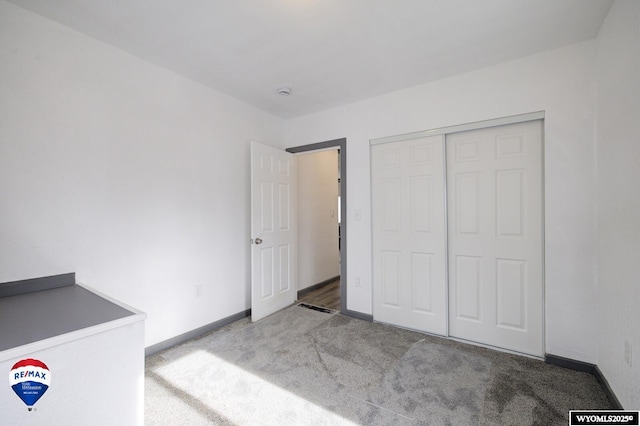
[512, 119]
[340, 144]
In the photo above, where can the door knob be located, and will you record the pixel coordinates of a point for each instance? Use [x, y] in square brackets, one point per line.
[258, 240]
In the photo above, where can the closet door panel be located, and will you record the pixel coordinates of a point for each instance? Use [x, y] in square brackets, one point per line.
[409, 265]
[494, 184]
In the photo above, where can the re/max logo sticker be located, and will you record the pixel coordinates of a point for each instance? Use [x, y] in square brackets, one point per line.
[30, 373]
[30, 379]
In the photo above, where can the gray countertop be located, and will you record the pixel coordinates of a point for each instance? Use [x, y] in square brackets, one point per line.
[31, 317]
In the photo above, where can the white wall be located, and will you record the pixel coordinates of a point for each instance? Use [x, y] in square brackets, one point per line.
[619, 199]
[133, 177]
[318, 255]
[560, 82]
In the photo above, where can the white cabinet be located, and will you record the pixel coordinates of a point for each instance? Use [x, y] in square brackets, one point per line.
[93, 348]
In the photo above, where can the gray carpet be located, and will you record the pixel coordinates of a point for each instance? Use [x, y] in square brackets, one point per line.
[303, 367]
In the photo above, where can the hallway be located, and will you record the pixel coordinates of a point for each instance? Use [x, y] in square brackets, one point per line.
[327, 296]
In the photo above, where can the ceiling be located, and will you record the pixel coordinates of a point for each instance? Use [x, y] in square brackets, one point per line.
[330, 52]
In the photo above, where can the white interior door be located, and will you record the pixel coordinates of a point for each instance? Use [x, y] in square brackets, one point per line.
[409, 262]
[273, 230]
[495, 229]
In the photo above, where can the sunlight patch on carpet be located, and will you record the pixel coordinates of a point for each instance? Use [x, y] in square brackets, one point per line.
[240, 396]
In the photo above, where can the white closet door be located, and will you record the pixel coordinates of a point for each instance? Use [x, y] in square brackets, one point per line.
[409, 234]
[494, 183]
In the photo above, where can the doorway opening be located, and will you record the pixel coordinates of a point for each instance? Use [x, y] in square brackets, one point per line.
[332, 290]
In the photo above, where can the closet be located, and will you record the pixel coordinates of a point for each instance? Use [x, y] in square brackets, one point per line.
[457, 217]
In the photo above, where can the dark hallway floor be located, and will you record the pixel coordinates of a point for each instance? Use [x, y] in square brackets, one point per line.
[327, 296]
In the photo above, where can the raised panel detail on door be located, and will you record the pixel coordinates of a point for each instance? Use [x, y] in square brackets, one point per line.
[266, 206]
[469, 187]
[285, 206]
[266, 260]
[421, 155]
[421, 200]
[421, 282]
[391, 278]
[285, 268]
[409, 272]
[284, 167]
[511, 293]
[510, 203]
[390, 159]
[510, 145]
[391, 205]
[467, 150]
[467, 279]
[495, 240]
